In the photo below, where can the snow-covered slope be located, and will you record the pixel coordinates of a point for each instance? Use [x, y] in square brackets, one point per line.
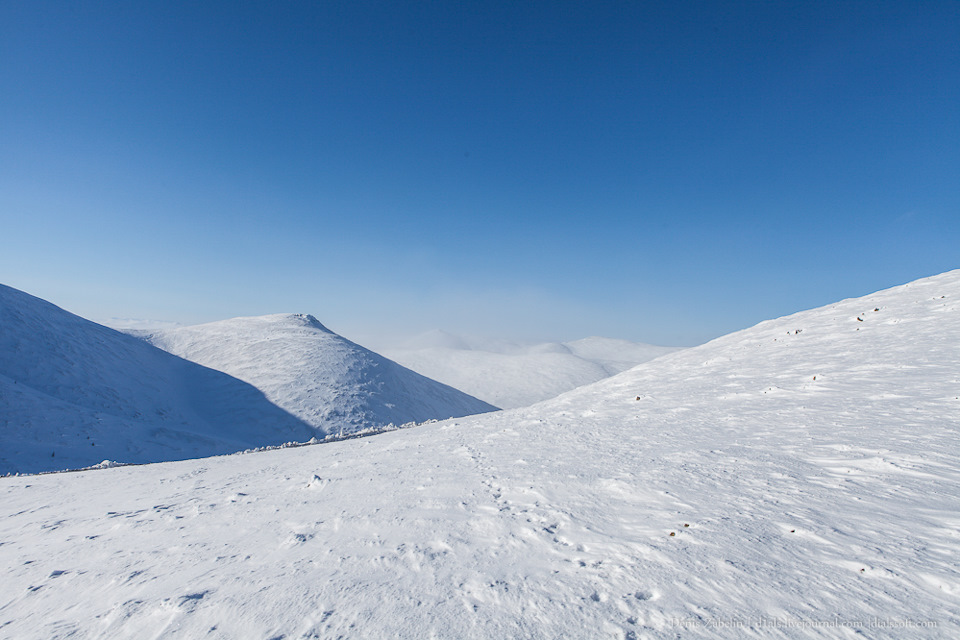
[317, 375]
[797, 479]
[511, 375]
[74, 393]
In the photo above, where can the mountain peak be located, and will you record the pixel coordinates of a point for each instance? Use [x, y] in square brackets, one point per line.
[317, 375]
[305, 320]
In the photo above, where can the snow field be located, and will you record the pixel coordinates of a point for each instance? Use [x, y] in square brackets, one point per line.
[831, 502]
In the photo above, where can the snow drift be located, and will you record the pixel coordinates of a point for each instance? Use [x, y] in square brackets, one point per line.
[74, 393]
[322, 378]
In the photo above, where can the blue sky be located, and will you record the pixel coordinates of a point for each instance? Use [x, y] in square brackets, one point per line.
[663, 172]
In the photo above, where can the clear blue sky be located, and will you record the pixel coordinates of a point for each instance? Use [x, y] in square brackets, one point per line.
[665, 172]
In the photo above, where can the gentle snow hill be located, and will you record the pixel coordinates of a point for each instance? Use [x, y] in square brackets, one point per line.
[512, 375]
[322, 378]
[807, 468]
[74, 393]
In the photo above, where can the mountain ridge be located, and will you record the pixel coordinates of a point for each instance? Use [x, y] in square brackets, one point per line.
[324, 379]
[75, 393]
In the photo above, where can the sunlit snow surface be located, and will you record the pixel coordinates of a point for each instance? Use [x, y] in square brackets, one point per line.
[815, 458]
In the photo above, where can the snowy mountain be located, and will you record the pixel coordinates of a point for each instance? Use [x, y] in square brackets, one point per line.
[74, 393]
[511, 375]
[797, 479]
[322, 378]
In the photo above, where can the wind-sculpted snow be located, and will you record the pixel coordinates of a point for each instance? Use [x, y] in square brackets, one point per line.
[74, 393]
[513, 375]
[800, 479]
[324, 379]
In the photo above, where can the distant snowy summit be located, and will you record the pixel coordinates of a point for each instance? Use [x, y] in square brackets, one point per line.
[327, 381]
[510, 374]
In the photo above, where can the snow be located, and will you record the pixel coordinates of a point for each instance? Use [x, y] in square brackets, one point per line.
[73, 393]
[509, 374]
[322, 378]
[797, 479]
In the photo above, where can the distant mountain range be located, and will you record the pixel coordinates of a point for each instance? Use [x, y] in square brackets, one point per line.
[509, 374]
